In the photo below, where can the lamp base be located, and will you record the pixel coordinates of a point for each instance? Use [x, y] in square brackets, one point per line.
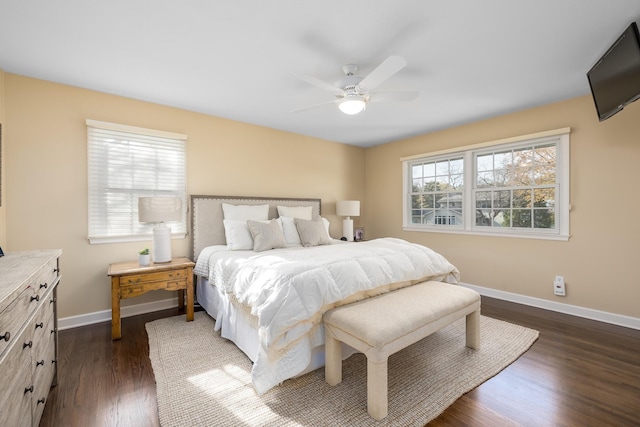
[347, 229]
[161, 243]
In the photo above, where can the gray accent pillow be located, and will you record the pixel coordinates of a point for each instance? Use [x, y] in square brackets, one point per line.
[312, 233]
[266, 235]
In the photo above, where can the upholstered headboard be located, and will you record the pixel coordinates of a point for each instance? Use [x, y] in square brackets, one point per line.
[207, 228]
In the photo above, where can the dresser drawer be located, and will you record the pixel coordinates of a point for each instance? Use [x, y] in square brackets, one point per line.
[44, 369]
[159, 276]
[44, 314]
[15, 379]
[46, 277]
[13, 317]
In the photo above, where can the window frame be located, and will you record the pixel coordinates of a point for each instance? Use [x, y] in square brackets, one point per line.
[140, 232]
[561, 137]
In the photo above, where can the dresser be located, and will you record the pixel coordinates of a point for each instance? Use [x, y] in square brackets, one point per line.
[28, 334]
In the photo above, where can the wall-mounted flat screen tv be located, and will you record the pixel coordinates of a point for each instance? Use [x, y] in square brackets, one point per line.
[615, 78]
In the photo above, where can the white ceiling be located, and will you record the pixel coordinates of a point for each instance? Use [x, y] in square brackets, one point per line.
[469, 59]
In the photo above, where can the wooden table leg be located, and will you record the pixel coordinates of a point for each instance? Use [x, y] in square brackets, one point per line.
[181, 299]
[116, 332]
[190, 294]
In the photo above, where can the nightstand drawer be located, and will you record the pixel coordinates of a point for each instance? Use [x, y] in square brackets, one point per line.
[130, 291]
[154, 277]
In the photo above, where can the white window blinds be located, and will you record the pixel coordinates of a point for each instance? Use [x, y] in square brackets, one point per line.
[124, 163]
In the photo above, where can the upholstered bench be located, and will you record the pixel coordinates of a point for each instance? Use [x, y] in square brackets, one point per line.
[387, 323]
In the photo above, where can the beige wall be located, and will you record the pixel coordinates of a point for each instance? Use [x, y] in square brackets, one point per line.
[599, 260]
[45, 186]
[47, 178]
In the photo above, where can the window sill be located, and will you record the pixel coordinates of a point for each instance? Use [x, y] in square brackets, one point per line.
[125, 239]
[557, 237]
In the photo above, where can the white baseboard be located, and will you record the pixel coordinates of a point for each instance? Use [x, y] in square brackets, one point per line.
[602, 316]
[574, 310]
[105, 315]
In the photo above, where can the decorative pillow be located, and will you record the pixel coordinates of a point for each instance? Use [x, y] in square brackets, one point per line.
[237, 235]
[290, 231]
[304, 212]
[266, 235]
[312, 233]
[327, 224]
[245, 212]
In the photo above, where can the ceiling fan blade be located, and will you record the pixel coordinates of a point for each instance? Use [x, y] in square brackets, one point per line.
[319, 83]
[388, 68]
[393, 96]
[312, 107]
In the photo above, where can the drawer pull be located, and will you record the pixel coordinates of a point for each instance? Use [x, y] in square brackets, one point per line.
[37, 298]
[43, 286]
[134, 281]
[28, 390]
[27, 344]
[53, 331]
[52, 300]
[41, 362]
[40, 401]
[39, 325]
[56, 270]
[6, 336]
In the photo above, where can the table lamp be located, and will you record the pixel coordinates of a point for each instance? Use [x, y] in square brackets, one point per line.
[160, 210]
[348, 208]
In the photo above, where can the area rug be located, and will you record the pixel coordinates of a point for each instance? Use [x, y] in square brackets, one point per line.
[204, 380]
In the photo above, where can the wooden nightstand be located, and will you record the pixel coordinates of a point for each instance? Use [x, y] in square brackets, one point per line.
[129, 279]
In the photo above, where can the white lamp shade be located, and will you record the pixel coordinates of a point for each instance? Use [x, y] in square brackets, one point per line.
[159, 209]
[348, 208]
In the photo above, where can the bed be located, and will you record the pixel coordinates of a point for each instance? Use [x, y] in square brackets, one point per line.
[269, 299]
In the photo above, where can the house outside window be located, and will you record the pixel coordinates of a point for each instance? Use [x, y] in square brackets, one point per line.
[125, 163]
[436, 191]
[516, 188]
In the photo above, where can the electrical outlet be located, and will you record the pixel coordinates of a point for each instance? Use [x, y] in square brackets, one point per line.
[559, 287]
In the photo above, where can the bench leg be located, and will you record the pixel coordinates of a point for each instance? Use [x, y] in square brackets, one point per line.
[333, 360]
[377, 389]
[473, 330]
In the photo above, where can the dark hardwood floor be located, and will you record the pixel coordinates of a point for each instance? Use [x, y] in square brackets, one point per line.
[579, 373]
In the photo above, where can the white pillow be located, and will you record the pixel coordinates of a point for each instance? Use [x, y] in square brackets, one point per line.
[290, 231]
[245, 212]
[266, 235]
[304, 212]
[238, 235]
[326, 225]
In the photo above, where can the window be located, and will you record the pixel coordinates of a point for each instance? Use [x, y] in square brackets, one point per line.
[436, 194]
[516, 187]
[125, 163]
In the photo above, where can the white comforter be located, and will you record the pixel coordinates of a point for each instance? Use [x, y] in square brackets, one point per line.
[288, 290]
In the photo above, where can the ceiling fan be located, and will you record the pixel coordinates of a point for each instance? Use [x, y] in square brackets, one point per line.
[353, 92]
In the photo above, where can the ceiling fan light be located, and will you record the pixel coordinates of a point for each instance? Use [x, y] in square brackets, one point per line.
[352, 105]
